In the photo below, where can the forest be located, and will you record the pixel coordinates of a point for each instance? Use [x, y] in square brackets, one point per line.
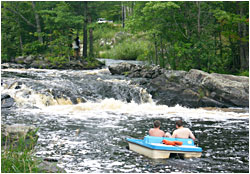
[211, 36]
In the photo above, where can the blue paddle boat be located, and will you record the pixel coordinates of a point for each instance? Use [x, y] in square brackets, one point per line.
[153, 147]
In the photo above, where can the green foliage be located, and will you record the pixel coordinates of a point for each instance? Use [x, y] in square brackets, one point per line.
[176, 39]
[244, 73]
[58, 60]
[92, 63]
[105, 31]
[201, 93]
[17, 157]
[211, 36]
[127, 50]
[34, 48]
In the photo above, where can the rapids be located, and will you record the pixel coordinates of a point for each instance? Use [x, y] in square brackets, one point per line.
[84, 118]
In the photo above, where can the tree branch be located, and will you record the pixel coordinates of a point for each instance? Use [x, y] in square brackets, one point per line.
[19, 14]
[179, 27]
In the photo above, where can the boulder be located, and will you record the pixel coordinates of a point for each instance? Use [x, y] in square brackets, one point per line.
[29, 59]
[20, 137]
[121, 68]
[228, 89]
[20, 59]
[193, 89]
[50, 167]
[42, 64]
[12, 65]
[6, 101]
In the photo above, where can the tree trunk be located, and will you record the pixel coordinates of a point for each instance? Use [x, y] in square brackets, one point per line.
[243, 46]
[91, 53]
[20, 35]
[38, 25]
[85, 35]
[198, 18]
[156, 50]
[235, 58]
[123, 16]
[246, 48]
[132, 7]
[162, 62]
[221, 51]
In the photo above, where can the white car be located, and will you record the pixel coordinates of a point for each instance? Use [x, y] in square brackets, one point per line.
[103, 20]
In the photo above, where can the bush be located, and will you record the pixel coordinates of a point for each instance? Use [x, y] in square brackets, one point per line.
[244, 73]
[17, 157]
[34, 48]
[103, 32]
[58, 60]
[127, 50]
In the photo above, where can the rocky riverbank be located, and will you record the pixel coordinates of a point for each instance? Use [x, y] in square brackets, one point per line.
[24, 138]
[193, 89]
[42, 62]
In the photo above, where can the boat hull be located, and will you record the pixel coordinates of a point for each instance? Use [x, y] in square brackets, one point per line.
[160, 154]
[157, 150]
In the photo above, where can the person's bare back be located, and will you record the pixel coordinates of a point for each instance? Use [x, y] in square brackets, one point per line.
[156, 132]
[182, 132]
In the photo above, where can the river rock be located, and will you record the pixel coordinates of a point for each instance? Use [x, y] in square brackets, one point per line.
[41, 62]
[227, 89]
[121, 68]
[50, 167]
[193, 89]
[12, 65]
[26, 59]
[6, 101]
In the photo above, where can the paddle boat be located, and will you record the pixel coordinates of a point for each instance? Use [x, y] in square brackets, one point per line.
[159, 147]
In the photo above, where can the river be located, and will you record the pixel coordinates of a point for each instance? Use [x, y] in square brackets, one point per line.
[84, 118]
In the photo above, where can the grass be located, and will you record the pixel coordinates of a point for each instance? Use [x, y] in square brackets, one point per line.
[17, 155]
[128, 49]
[13, 162]
[244, 73]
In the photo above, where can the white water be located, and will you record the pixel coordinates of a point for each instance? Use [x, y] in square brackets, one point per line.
[105, 123]
[47, 104]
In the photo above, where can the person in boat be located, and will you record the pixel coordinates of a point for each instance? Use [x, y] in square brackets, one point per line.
[156, 132]
[182, 132]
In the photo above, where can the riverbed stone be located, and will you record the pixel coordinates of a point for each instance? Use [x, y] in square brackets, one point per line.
[42, 62]
[194, 88]
[121, 68]
[50, 167]
[12, 65]
[29, 59]
[6, 101]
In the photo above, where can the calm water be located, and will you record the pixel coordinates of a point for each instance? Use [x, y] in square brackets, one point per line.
[105, 122]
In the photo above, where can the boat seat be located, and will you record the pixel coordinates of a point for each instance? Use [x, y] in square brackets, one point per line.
[152, 139]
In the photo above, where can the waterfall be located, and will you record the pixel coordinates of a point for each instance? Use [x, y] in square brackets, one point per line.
[50, 87]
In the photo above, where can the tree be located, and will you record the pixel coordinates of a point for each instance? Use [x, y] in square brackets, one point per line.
[85, 35]
[210, 36]
[38, 25]
[17, 24]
